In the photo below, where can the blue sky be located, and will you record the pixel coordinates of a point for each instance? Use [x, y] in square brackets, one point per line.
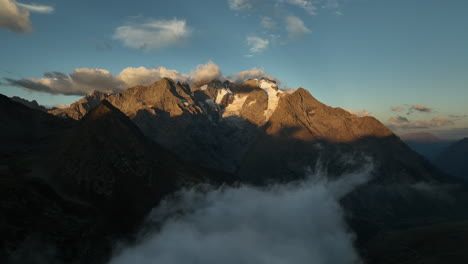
[360, 55]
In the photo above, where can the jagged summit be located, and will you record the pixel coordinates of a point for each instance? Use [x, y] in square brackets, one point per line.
[215, 123]
[31, 104]
[257, 101]
[79, 109]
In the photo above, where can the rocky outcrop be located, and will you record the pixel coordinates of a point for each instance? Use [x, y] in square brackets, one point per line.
[79, 109]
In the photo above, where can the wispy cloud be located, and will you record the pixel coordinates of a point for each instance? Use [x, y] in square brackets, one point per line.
[420, 108]
[360, 113]
[412, 109]
[458, 116]
[267, 22]
[295, 27]
[257, 44]
[308, 6]
[396, 108]
[240, 5]
[153, 34]
[400, 122]
[43, 9]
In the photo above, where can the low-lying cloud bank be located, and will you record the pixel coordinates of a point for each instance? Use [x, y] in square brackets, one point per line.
[293, 223]
[401, 122]
[83, 81]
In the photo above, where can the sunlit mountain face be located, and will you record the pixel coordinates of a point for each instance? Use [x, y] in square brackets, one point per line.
[234, 131]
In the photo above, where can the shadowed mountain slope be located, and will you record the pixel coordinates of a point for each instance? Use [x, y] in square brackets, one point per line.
[69, 189]
[454, 159]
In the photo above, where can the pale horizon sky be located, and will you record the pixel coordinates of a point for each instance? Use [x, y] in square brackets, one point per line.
[403, 61]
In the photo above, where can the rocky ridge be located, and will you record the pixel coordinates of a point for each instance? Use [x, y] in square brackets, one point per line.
[229, 117]
[79, 109]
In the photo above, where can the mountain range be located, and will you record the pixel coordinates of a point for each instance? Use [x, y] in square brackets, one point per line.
[106, 160]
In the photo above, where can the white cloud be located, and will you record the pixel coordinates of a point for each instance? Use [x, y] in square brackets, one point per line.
[308, 6]
[240, 5]
[267, 23]
[360, 113]
[143, 76]
[60, 106]
[43, 9]
[257, 44]
[331, 4]
[295, 27]
[243, 5]
[206, 72]
[154, 34]
[292, 223]
[254, 73]
[14, 16]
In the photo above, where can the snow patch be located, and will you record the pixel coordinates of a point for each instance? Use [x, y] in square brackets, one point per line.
[204, 87]
[221, 93]
[235, 107]
[271, 89]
